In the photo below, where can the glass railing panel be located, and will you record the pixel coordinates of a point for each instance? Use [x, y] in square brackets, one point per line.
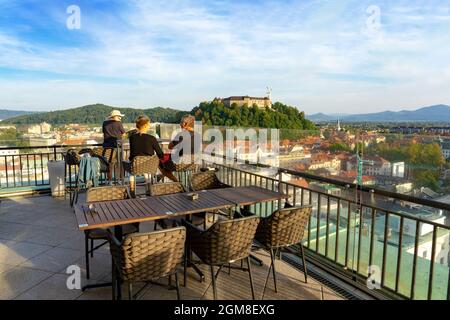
[342, 237]
[441, 266]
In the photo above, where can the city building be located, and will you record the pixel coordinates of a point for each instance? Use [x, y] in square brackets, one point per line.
[41, 141]
[322, 160]
[260, 102]
[374, 166]
[398, 169]
[447, 174]
[445, 146]
[39, 128]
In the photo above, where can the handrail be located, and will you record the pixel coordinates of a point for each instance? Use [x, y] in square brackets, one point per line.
[65, 146]
[52, 147]
[352, 201]
[385, 193]
[389, 194]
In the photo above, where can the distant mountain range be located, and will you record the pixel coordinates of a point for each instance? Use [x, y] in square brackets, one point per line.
[437, 113]
[6, 114]
[96, 114]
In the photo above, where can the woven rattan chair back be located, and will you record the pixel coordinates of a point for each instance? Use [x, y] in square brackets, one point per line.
[182, 167]
[109, 193]
[149, 256]
[225, 241]
[185, 165]
[284, 227]
[206, 180]
[160, 189]
[145, 165]
[98, 151]
[109, 154]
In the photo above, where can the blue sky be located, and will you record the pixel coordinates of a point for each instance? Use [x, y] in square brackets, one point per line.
[321, 56]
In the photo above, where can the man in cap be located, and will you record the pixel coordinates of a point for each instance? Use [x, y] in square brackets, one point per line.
[112, 131]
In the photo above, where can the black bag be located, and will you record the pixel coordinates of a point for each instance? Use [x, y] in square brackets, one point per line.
[72, 157]
[104, 165]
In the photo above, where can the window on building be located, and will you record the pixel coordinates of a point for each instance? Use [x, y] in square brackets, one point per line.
[424, 254]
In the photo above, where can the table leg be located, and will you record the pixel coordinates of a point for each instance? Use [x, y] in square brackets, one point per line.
[190, 263]
[118, 233]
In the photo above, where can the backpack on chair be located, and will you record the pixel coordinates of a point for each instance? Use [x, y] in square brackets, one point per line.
[104, 165]
[72, 157]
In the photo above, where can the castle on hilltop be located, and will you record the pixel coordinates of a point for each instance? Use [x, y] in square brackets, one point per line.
[260, 102]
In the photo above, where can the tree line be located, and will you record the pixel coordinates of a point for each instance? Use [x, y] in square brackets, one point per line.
[280, 116]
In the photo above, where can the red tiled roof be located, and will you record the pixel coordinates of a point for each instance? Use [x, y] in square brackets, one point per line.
[300, 182]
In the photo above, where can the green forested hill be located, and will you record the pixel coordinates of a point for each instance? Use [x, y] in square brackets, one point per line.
[96, 114]
[211, 113]
[279, 116]
[6, 114]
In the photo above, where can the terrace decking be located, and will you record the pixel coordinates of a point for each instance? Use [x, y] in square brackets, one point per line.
[39, 239]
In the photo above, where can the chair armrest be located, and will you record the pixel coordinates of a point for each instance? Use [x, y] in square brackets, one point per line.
[113, 240]
[223, 213]
[192, 228]
[244, 213]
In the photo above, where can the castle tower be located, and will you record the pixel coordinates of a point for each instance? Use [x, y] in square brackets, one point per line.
[269, 93]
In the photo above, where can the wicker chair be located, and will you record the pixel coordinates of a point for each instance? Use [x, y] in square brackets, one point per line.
[104, 194]
[181, 167]
[144, 165]
[71, 168]
[145, 257]
[205, 181]
[161, 189]
[283, 228]
[224, 242]
[108, 153]
[184, 170]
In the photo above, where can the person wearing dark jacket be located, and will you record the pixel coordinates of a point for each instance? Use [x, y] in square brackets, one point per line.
[144, 144]
[113, 130]
[187, 129]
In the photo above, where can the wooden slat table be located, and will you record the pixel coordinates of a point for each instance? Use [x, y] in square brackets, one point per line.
[245, 196]
[119, 212]
[107, 214]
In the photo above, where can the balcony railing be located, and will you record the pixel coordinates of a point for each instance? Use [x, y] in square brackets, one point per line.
[407, 250]
[24, 169]
[404, 251]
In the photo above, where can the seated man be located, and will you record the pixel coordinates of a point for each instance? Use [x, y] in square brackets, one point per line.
[183, 153]
[143, 144]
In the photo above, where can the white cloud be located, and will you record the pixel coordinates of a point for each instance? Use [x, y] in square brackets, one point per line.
[314, 54]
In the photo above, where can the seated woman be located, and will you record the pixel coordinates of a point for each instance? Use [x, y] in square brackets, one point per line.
[143, 144]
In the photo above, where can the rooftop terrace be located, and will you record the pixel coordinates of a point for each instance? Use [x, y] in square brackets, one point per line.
[39, 239]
